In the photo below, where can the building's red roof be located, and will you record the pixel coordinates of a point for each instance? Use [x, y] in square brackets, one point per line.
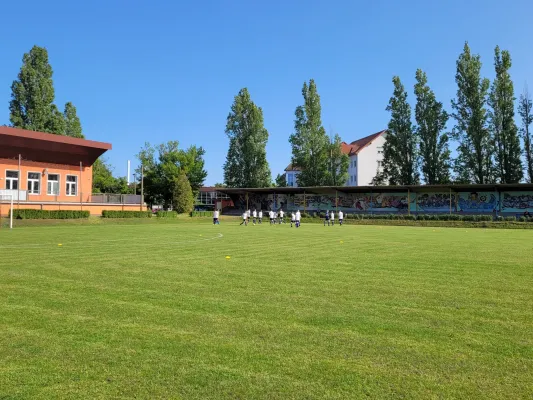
[290, 167]
[358, 145]
[49, 148]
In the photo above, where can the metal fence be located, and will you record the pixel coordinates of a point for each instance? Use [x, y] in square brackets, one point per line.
[108, 198]
[21, 196]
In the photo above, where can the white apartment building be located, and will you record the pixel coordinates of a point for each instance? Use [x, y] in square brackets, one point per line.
[365, 155]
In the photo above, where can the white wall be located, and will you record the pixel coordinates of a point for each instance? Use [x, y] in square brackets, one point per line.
[294, 175]
[352, 171]
[367, 161]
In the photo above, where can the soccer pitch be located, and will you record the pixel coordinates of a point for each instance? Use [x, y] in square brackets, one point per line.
[158, 311]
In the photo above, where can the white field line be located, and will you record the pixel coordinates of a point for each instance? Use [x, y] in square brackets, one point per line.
[91, 242]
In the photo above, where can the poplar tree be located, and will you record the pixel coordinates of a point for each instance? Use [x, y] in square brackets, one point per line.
[525, 107]
[72, 122]
[309, 142]
[502, 125]
[246, 164]
[32, 95]
[400, 165]
[474, 162]
[431, 120]
[338, 163]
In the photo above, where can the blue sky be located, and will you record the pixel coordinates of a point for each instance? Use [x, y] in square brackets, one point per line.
[162, 70]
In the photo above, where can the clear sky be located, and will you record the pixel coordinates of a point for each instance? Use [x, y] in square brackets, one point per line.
[159, 70]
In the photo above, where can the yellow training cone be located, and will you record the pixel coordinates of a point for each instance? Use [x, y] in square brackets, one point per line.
[228, 257]
[342, 242]
[60, 244]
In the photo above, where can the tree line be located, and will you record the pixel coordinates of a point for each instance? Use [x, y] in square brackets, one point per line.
[318, 155]
[490, 145]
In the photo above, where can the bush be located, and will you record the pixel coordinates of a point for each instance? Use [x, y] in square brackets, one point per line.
[510, 219]
[166, 214]
[126, 214]
[202, 214]
[49, 214]
[182, 196]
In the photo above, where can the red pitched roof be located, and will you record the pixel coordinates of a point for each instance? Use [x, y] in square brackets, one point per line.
[291, 168]
[360, 144]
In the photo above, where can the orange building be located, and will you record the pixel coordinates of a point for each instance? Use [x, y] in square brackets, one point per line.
[51, 172]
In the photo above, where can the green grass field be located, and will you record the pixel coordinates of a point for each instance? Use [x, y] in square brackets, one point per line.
[157, 311]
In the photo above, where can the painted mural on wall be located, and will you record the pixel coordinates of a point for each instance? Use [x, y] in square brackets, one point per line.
[435, 202]
[478, 202]
[517, 201]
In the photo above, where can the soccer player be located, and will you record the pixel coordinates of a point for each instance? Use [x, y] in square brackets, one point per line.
[215, 218]
[326, 218]
[254, 215]
[281, 215]
[244, 217]
[332, 218]
[248, 215]
[260, 216]
[341, 217]
[298, 217]
[271, 216]
[293, 219]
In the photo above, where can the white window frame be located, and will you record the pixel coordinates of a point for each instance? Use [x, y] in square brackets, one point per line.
[11, 180]
[28, 180]
[67, 184]
[58, 185]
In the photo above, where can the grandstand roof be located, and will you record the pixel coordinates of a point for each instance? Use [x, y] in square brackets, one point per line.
[381, 189]
[49, 148]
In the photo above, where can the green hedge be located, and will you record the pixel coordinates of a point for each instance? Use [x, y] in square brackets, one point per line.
[24, 213]
[202, 214]
[126, 214]
[166, 214]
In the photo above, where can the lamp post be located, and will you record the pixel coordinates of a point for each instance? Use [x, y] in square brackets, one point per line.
[134, 183]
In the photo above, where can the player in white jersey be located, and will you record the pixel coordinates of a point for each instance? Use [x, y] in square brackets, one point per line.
[260, 216]
[244, 218]
[215, 217]
[293, 219]
[254, 214]
[271, 216]
[341, 217]
[281, 217]
[298, 217]
[332, 218]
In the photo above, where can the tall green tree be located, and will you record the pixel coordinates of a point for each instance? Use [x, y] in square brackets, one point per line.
[72, 122]
[431, 120]
[309, 142]
[338, 163]
[525, 110]
[281, 180]
[400, 156]
[246, 164]
[503, 128]
[163, 164]
[192, 163]
[183, 198]
[474, 163]
[32, 95]
[105, 182]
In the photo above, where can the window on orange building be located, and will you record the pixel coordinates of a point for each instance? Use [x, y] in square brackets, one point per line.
[12, 180]
[72, 185]
[53, 184]
[34, 182]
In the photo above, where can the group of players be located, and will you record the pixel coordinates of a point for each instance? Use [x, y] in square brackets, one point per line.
[278, 217]
[275, 217]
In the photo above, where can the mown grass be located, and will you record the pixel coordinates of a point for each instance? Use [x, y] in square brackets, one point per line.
[157, 311]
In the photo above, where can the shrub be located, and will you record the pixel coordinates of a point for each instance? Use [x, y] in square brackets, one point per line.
[166, 214]
[510, 219]
[126, 214]
[49, 214]
[202, 214]
[182, 196]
